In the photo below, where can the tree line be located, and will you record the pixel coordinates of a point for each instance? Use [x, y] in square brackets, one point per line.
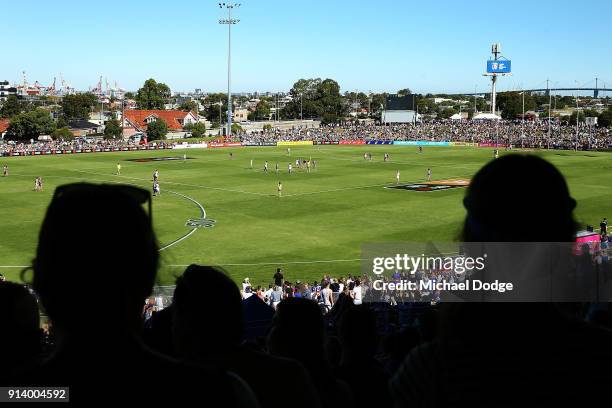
[311, 98]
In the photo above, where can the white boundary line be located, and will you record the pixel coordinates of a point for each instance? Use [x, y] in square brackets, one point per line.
[241, 191]
[176, 183]
[401, 162]
[278, 263]
[243, 264]
[335, 189]
[187, 235]
[176, 241]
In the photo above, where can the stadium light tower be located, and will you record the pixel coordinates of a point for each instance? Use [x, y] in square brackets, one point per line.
[577, 115]
[229, 22]
[549, 107]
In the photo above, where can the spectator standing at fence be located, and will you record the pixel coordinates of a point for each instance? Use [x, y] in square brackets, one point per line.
[356, 293]
[327, 297]
[276, 296]
[278, 277]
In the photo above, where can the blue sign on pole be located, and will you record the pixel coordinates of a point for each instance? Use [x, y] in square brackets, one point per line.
[498, 66]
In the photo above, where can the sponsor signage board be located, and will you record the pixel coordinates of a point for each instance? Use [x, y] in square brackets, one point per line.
[190, 146]
[231, 144]
[295, 143]
[352, 142]
[499, 66]
[379, 142]
[326, 142]
[253, 144]
[462, 144]
[419, 143]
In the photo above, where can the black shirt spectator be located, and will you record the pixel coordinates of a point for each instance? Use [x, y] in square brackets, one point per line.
[278, 277]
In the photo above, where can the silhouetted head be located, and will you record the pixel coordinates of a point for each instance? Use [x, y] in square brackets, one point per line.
[91, 232]
[207, 311]
[357, 332]
[298, 331]
[19, 319]
[519, 198]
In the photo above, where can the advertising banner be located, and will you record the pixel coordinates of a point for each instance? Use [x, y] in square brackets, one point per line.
[380, 142]
[326, 142]
[255, 144]
[190, 146]
[352, 142]
[499, 66]
[462, 144]
[419, 143]
[295, 143]
[230, 144]
[491, 145]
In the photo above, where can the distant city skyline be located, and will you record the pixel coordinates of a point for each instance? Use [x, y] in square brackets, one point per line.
[433, 47]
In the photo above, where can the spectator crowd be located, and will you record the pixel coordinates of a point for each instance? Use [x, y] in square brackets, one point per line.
[533, 134]
[527, 134]
[32, 147]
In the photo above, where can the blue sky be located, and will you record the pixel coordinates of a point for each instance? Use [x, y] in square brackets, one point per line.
[428, 46]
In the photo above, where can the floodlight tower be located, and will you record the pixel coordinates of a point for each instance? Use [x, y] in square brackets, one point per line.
[229, 22]
[495, 50]
[498, 66]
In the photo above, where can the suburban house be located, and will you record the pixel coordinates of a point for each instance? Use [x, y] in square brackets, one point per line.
[80, 128]
[100, 119]
[240, 115]
[5, 90]
[137, 120]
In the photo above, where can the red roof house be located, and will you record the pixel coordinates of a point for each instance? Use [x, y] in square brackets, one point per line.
[175, 119]
[4, 124]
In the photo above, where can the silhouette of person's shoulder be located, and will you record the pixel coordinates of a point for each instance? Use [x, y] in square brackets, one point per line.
[368, 382]
[133, 373]
[573, 356]
[273, 378]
